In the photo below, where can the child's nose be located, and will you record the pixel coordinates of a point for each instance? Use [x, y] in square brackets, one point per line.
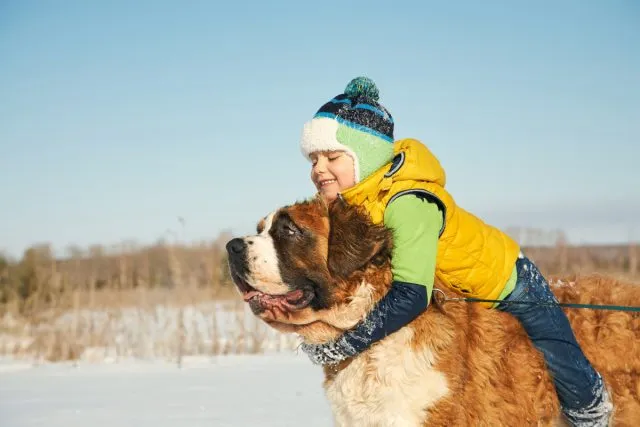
[320, 166]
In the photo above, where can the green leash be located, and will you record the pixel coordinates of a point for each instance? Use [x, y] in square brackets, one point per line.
[545, 304]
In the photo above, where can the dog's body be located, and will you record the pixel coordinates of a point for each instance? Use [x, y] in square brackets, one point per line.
[317, 270]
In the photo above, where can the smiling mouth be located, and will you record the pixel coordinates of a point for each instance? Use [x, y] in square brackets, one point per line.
[260, 301]
[326, 182]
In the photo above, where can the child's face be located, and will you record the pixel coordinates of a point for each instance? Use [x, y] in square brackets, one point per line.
[332, 172]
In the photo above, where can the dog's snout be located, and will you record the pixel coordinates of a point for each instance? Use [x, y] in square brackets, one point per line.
[236, 246]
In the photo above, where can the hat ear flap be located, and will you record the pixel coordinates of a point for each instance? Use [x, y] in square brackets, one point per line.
[354, 241]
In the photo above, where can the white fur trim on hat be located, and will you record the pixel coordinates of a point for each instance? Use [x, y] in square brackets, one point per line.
[319, 134]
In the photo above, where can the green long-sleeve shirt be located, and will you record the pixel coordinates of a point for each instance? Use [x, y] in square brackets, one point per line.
[416, 224]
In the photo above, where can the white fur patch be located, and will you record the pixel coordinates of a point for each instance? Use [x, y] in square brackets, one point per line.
[319, 134]
[347, 315]
[262, 258]
[389, 385]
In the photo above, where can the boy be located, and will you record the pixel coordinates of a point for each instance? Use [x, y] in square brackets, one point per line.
[401, 184]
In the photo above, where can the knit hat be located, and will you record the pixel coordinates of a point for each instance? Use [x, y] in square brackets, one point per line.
[356, 123]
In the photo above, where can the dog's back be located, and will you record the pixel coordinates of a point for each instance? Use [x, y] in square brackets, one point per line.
[609, 338]
[462, 364]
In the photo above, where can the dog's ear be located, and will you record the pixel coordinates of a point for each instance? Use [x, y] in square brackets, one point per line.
[354, 241]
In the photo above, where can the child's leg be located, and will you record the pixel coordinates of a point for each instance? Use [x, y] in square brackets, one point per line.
[581, 391]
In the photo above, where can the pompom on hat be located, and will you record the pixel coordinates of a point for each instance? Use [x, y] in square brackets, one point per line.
[355, 122]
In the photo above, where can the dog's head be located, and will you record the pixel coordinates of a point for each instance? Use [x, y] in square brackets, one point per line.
[312, 268]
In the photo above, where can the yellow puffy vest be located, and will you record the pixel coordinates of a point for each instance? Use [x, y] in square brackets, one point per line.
[473, 257]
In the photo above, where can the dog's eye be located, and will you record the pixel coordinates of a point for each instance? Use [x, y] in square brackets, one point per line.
[291, 231]
[286, 228]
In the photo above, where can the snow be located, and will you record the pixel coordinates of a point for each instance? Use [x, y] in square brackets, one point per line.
[157, 332]
[204, 364]
[274, 389]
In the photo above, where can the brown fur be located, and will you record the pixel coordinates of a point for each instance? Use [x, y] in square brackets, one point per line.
[495, 376]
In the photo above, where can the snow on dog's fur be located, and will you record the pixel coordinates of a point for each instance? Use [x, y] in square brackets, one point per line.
[458, 364]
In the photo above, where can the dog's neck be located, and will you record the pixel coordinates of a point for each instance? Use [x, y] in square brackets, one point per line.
[324, 342]
[332, 323]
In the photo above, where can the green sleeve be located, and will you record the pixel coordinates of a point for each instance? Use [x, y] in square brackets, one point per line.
[416, 225]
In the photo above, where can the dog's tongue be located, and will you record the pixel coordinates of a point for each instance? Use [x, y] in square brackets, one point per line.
[248, 295]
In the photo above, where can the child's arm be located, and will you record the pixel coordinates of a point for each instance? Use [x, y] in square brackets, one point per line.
[416, 224]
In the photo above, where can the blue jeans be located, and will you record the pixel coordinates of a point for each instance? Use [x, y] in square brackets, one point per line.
[580, 389]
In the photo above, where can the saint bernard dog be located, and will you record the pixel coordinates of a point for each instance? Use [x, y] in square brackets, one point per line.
[315, 270]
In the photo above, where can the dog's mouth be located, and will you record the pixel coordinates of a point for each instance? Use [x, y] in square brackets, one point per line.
[260, 301]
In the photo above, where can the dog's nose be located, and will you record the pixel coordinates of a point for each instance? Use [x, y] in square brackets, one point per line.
[236, 246]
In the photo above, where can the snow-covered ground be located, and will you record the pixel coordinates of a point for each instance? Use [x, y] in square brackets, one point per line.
[282, 389]
[124, 370]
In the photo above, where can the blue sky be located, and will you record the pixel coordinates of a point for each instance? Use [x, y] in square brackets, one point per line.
[117, 117]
